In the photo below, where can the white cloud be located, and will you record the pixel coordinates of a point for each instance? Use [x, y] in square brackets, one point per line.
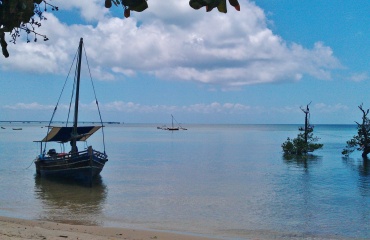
[315, 108]
[126, 72]
[91, 10]
[328, 108]
[215, 107]
[118, 107]
[287, 109]
[174, 42]
[359, 77]
[28, 106]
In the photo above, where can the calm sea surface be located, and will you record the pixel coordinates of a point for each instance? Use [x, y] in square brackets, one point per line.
[228, 181]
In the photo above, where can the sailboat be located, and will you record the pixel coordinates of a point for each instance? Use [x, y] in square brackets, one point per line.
[173, 128]
[78, 165]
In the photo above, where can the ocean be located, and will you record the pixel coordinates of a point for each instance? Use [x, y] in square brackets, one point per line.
[226, 181]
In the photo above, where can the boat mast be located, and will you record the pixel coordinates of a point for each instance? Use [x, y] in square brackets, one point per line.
[75, 120]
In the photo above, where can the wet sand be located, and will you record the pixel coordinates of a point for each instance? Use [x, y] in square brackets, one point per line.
[11, 228]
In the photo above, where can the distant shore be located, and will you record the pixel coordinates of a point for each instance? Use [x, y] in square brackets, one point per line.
[12, 228]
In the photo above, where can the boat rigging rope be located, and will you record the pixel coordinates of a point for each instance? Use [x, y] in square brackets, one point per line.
[56, 106]
[96, 100]
[30, 164]
[176, 121]
[74, 85]
[73, 90]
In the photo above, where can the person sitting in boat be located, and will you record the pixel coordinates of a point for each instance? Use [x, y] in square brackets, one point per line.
[73, 150]
[52, 152]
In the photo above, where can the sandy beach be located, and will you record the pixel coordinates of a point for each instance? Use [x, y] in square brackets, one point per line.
[12, 228]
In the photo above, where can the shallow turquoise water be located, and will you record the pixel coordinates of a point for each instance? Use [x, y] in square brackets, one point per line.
[221, 180]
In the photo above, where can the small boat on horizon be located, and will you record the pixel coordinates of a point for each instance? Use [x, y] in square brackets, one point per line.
[172, 128]
[17, 129]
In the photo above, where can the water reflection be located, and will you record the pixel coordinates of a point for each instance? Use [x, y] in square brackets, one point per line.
[303, 161]
[362, 167]
[67, 202]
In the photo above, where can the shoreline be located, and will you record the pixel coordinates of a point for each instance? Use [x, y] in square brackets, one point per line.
[14, 228]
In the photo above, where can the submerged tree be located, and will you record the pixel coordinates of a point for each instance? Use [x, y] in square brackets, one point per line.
[361, 141]
[305, 142]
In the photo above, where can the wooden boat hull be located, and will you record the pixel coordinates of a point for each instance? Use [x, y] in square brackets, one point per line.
[83, 166]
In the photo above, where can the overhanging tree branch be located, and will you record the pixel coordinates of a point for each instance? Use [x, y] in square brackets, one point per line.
[17, 16]
[141, 5]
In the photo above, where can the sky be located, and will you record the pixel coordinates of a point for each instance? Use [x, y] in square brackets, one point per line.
[256, 66]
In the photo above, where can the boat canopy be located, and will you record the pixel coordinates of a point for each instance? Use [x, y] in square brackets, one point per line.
[64, 134]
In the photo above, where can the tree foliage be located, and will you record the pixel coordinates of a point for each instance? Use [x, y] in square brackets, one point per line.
[128, 5]
[298, 145]
[20, 15]
[305, 142]
[361, 141]
[141, 5]
[211, 4]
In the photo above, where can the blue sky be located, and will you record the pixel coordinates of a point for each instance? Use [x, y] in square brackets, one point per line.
[258, 65]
